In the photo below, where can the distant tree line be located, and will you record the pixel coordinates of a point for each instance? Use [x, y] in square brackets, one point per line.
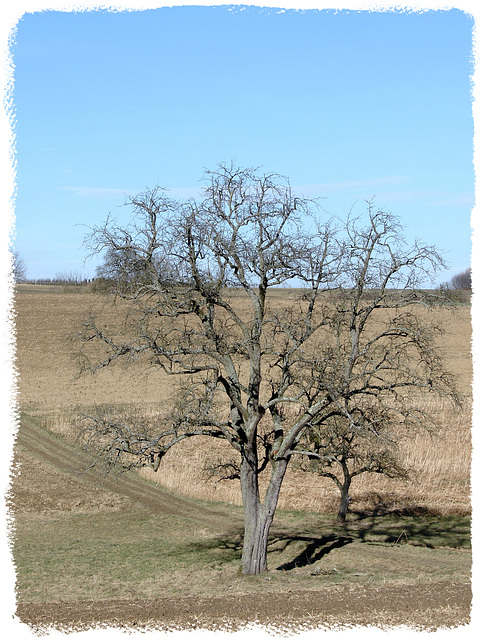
[460, 281]
[19, 270]
[57, 280]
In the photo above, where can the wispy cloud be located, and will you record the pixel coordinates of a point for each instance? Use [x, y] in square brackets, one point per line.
[461, 200]
[349, 185]
[434, 198]
[98, 192]
[105, 192]
[379, 186]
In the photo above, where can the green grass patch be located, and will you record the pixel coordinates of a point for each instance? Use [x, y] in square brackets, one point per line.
[136, 553]
[71, 556]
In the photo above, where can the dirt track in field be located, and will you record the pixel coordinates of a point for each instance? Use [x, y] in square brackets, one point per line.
[45, 447]
[385, 606]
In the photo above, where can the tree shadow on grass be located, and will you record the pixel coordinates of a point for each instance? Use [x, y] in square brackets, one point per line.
[381, 525]
[410, 523]
[315, 549]
[424, 531]
[389, 529]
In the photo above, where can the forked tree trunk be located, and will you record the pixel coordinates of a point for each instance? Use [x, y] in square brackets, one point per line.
[254, 555]
[258, 517]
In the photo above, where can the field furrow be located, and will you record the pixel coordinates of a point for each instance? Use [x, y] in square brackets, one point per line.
[65, 458]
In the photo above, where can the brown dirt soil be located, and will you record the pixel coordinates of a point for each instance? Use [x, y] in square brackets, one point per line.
[412, 605]
[45, 321]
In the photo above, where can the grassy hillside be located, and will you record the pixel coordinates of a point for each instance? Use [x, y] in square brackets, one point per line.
[440, 478]
[164, 549]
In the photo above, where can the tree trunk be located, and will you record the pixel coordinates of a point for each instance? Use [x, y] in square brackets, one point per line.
[344, 501]
[254, 555]
[257, 516]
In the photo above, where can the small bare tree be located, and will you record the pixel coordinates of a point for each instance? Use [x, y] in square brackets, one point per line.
[19, 268]
[462, 280]
[261, 376]
[342, 450]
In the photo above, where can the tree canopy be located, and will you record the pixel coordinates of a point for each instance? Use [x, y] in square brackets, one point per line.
[271, 379]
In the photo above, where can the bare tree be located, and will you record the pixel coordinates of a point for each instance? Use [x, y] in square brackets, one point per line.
[341, 451]
[263, 377]
[19, 268]
[462, 280]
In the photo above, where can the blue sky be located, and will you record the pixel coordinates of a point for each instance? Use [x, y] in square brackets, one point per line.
[346, 104]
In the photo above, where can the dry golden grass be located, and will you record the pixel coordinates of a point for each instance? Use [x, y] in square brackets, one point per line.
[440, 476]
[440, 465]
